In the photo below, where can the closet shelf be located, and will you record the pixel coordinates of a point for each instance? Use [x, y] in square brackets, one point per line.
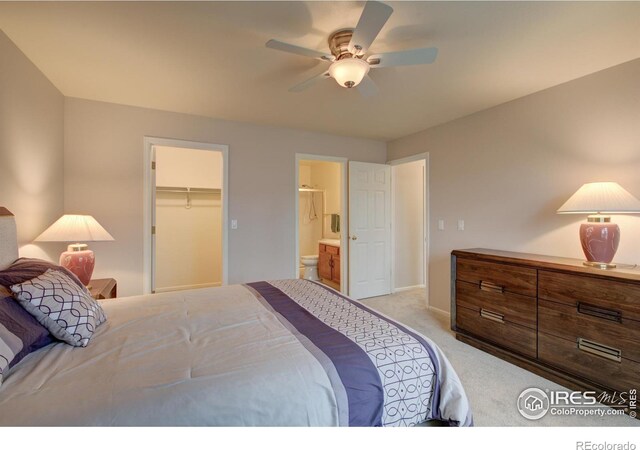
[186, 190]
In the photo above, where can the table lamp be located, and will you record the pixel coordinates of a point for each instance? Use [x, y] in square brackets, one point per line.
[599, 236]
[78, 259]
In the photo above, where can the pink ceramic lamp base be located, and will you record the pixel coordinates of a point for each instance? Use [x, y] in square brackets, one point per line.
[79, 262]
[599, 243]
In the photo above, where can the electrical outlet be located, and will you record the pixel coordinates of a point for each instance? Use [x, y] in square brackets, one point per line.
[460, 225]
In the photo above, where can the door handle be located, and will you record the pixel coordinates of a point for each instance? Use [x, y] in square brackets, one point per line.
[490, 315]
[488, 286]
[354, 237]
[601, 350]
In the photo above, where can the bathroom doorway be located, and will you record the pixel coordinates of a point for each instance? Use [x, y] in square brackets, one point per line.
[186, 216]
[321, 220]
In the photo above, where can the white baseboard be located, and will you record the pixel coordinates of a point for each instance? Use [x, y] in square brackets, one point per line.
[408, 288]
[187, 286]
[439, 311]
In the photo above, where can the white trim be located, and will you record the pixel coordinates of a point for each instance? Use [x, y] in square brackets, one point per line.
[149, 142]
[439, 311]
[408, 159]
[426, 216]
[408, 288]
[188, 286]
[344, 215]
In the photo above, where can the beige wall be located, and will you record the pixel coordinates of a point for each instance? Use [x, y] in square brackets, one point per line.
[326, 175]
[31, 149]
[104, 177]
[309, 222]
[408, 224]
[507, 169]
[177, 167]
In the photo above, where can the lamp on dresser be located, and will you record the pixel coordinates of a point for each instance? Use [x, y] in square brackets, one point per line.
[78, 259]
[599, 236]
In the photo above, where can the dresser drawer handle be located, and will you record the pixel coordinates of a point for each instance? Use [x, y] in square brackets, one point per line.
[602, 313]
[601, 350]
[489, 286]
[491, 315]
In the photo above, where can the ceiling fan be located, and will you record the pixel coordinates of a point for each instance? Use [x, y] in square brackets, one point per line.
[348, 49]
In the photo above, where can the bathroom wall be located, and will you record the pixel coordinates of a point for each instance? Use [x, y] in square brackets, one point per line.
[309, 223]
[313, 227]
[188, 240]
[327, 176]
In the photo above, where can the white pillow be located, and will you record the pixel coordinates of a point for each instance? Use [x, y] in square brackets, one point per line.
[61, 306]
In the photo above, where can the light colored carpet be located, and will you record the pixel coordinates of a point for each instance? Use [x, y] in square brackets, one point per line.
[492, 385]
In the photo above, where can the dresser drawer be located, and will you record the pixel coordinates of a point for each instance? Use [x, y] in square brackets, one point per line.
[571, 323]
[566, 355]
[504, 334]
[514, 308]
[498, 277]
[614, 298]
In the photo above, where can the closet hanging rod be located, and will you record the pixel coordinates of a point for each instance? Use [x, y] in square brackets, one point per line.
[310, 190]
[184, 190]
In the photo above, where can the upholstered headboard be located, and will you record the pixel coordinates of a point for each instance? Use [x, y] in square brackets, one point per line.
[8, 238]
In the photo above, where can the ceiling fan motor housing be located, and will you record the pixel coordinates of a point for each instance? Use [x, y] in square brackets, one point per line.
[339, 43]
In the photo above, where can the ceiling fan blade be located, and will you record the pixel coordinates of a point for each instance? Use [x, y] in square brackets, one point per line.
[373, 18]
[405, 58]
[290, 48]
[367, 87]
[310, 82]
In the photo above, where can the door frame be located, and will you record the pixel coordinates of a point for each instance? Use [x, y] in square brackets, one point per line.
[344, 215]
[425, 218]
[147, 207]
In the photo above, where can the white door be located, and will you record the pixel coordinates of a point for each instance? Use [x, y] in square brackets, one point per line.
[369, 229]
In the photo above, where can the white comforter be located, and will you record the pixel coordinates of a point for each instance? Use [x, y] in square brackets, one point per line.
[203, 357]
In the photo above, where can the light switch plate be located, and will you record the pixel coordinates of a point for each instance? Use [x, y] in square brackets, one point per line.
[234, 224]
[441, 224]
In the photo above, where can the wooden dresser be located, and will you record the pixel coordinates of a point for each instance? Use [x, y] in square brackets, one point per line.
[575, 325]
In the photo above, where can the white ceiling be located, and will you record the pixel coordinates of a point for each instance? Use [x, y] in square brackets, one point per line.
[209, 58]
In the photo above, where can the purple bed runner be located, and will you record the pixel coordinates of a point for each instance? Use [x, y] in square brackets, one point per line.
[382, 373]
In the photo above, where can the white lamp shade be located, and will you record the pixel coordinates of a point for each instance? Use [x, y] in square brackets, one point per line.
[603, 197]
[349, 70]
[75, 228]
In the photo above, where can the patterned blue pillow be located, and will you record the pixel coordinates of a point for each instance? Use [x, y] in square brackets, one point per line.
[65, 309]
[20, 334]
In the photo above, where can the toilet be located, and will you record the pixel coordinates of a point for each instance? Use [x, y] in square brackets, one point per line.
[310, 263]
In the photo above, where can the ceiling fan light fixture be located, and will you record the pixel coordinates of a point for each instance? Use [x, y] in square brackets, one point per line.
[349, 72]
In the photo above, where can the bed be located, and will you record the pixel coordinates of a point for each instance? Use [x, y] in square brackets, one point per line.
[278, 353]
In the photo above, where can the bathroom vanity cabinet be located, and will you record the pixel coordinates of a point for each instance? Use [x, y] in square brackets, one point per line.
[329, 263]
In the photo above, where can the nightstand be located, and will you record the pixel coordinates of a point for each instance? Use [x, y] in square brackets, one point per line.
[103, 288]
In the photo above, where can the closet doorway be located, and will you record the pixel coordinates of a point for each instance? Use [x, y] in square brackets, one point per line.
[187, 215]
